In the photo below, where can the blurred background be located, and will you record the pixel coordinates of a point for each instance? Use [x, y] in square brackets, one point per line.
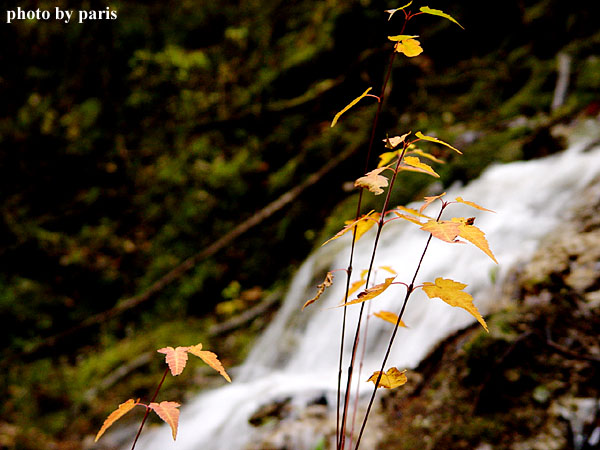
[129, 147]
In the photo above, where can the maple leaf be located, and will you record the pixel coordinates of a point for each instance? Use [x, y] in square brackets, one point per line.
[416, 163]
[176, 358]
[209, 358]
[350, 105]
[410, 47]
[476, 237]
[445, 230]
[363, 224]
[418, 151]
[395, 141]
[437, 12]
[373, 181]
[436, 140]
[452, 293]
[371, 292]
[392, 11]
[168, 412]
[429, 200]
[321, 288]
[474, 205]
[389, 380]
[390, 317]
[123, 409]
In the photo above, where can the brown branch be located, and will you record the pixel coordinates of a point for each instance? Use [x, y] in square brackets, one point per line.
[219, 244]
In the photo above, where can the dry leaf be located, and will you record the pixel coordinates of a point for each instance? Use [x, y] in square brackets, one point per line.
[389, 380]
[321, 288]
[452, 293]
[176, 358]
[390, 317]
[168, 412]
[209, 358]
[123, 409]
[373, 181]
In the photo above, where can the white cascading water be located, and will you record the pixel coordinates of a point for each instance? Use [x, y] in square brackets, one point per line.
[297, 356]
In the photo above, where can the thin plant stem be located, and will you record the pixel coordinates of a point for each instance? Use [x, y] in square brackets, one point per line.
[148, 408]
[409, 291]
[340, 432]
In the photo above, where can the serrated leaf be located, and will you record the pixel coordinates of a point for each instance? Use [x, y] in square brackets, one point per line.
[452, 293]
[350, 105]
[402, 37]
[413, 161]
[209, 358]
[385, 158]
[176, 358]
[123, 409]
[363, 224]
[418, 151]
[392, 11]
[407, 217]
[429, 200]
[373, 181]
[472, 204]
[371, 292]
[445, 230]
[389, 317]
[437, 12]
[409, 47]
[168, 412]
[436, 140]
[389, 380]
[476, 237]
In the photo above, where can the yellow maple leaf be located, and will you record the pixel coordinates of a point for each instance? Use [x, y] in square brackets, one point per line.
[168, 412]
[429, 200]
[474, 205]
[209, 358]
[123, 409]
[363, 224]
[389, 380]
[372, 292]
[410, 47]
[476, 237]
[390, 317]
[395, 141]
[445, 230]
[373, 181]
[452, 293]
[415, 163]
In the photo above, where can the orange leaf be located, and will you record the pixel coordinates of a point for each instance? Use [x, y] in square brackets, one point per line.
[429, 200]
[168, 412]
[373, 181]
[372, 292]
[175, 358]
[415, 163]
[452, 293]
[123, 409]
[356, 286]
[389, 380]
[390, 317]
[325, 284]
[209, 358]
[444, 230]
[363, 224]
[474, 205]
[476, 237]
[410, 47]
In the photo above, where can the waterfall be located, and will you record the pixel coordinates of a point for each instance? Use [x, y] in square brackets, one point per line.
[296, 357]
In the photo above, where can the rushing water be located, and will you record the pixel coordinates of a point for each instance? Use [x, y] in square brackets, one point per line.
[297, 356]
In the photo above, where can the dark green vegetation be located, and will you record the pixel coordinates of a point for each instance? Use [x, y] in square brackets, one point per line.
[128, 146]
